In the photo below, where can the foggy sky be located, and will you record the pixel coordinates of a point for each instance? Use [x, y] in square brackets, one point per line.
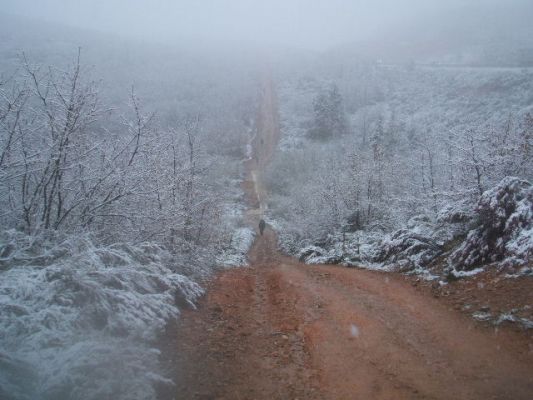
[304, 23]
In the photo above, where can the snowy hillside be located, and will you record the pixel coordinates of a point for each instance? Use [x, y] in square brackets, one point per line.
[428, 150]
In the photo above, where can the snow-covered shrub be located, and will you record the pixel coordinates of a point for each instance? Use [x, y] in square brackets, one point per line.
[317, 255]
[456, 212]
[505, 233]
[310, 251]
[79, 321]
[411, 248]
[358, 248]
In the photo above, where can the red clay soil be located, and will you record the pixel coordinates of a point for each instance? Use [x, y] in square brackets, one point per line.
[283, 330]
[491, 292]
[279, 329]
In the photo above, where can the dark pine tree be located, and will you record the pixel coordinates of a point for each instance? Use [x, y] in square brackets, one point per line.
[329, 118]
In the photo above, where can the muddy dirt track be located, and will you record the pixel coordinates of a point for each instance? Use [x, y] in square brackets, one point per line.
[282, 330]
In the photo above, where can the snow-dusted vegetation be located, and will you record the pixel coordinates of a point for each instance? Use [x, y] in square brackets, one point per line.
[118, 192]
[80, 320]
[425, 160]
[505, 232]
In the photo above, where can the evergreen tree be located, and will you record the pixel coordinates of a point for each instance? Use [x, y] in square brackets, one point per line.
[329, 118]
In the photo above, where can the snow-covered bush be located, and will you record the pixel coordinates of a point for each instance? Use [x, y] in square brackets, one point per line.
[79, 321]
[318, 255]
[456, 212]
[360, 248]
[408, 249]
[505, 233]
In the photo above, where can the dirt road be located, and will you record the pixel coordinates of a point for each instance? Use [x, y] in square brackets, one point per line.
[282, 330]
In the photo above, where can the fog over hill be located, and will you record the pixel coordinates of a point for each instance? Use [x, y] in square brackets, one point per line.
[498, 34]
[296, 23]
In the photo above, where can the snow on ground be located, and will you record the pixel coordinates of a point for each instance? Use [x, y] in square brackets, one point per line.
[239, 238]
[236, 253]
[79, 321]
[499, 319]
[466, 274]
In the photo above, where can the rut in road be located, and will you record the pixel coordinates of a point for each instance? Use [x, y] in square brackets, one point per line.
[282, 330]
